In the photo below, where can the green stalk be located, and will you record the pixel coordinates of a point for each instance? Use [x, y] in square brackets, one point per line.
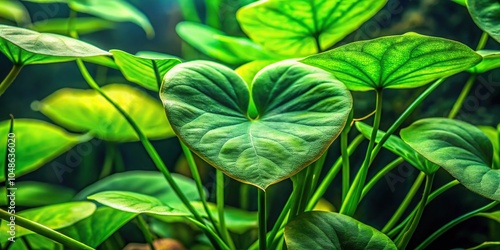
[332, 173]
[157, 74]
[455, 222]
[318, 167]
[381, 174]
[143, 226]
[244, 192]
[44, 231]
[407, 234]
[346, 176]
[209, 231]
[280, 222]
[107, 166]
[353, 197]
[119, 164]
[220, 208]
[404, 205]
[262, 219]
[9, 79]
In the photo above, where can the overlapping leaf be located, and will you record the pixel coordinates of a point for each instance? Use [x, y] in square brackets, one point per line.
[491, 60]
[486, 14]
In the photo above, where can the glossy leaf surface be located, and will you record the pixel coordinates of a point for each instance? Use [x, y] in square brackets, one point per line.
[142, 70]
[400, 148]
[325, 230]
[291, 27]
[88, 111]
[486, 14]
[32, 194]
[405, 61]
[36, 143]
[23, 46]
[460, 148]
[301, 110]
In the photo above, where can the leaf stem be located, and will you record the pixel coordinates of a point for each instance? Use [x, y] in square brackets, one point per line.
[461, 98]
[381, 174]
[157, 74]
[220, 208]
[346, 176]
[44, 231]
[107, 166]
[143, 226]
[244, 191]
[262, 219]
[9, 79]
[455, 222]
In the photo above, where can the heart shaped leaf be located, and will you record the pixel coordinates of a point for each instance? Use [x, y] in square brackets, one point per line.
[23, 46]
[325, 230]
[491, 60]
[304, 27]
[400, 148]
[460, 148]
[35, 143]
[144, 71]
[405, 61]
[216, 44]
[33, 194]
[300, 110]
[88, 111]
[486, 14]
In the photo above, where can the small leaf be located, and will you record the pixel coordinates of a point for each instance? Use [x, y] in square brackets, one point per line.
[31, 194]
[486, 15]
[116, 11]
[88, 111]
[14, 11]
[35, 143]
[141, 70]
[491, 60]
[53, 216]
[135, 203]
[405, 61]
[301, 110]
[291, 27]
[325, 230]
[214, 43]
[23, 46]
[83, 25]
[491, 215]
[460, 148]
[398, 147]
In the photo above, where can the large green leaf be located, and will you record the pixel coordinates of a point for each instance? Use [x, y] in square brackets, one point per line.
[36, 143]
[30, 194]
[145, 71]
[486, 14]
[300, 111]
[214, 43]
[491, 60]
[23, 46]
[460, 148]
[53, 216]
[14, 11]
[83, 25]
[293, 28]
[325, 230]
[87, 110]
[116, 11]
[400, 148]
[405, 61]
[135, 203]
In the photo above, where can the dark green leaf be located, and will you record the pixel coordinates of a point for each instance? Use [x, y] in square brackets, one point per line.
[33, 194]
[291, 28]
[398, 147]
[141, 70]
[486, 14]
[325, 230]
[405, 61]
[83, 25]
[23, 46]
[301, 110]
[491, 60]
[460, 148]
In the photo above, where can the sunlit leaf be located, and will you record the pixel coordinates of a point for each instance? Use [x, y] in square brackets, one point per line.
[460, 148]
[155, 55]
[36, 143]
[486, 14]
[14, 11]
[405, 61]
[400, 148]
[23, 46]
[301, 110]
[54, 216]
[325, 230]
[214, 43]
[83, 25]
[292, 27]
[87, 110]
[491, 60]
[145, 71]
[116, 11]
[32, 194]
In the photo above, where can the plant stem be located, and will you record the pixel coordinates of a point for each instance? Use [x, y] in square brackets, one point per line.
[9, 79]
[143, 226]
[461, 98]
[157, 74]
[353, 197]
[244, 191]
[381, 174]
[44, 231]
[346, 176]
[407, 234]
[262, 219]
[220, 208]
[454, 222]
[107, 166]
[325, 183]
[271, 237]
[209, 231]
[404, 205]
